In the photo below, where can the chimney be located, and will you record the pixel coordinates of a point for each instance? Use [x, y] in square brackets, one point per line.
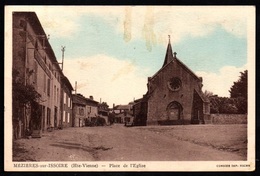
[76, 87]
[91, 97]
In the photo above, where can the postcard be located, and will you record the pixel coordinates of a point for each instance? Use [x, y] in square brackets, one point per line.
[129, 88]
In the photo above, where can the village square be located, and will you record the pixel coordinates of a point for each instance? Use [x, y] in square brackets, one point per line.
[174, 120]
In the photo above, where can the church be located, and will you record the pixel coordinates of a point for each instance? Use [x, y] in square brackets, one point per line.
[174, 96]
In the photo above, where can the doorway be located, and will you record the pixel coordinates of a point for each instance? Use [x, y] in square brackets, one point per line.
[55, 116]
[174, 110]
[43, 118]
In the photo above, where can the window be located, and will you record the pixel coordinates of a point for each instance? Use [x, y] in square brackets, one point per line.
[174, 84]
[43, 116]
[81, 111]
[57, 95]
[35, 72]
[54, 93]
[44, 83]
[48, 87]
[64, 113]
[64, 98]
[48, 116]
[68, 117]
[68, 101]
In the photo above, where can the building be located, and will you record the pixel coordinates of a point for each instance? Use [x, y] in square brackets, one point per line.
[140, 111]
[85, 110]
[103, 111]
[120, 112]
[66, 102]
[35, 65]
[92, 108]
[79, 111]
[174, 95]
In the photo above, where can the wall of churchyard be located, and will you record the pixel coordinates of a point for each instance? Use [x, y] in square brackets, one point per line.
[226, 119]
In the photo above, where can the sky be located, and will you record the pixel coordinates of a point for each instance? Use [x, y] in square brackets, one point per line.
[111, 51]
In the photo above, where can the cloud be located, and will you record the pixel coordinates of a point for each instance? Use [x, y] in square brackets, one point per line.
[177, 21]
[112, 80]
[58, 21]
[220, 83]
[202, 21]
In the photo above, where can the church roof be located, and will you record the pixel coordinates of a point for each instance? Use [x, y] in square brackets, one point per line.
[169, 58]
[168, 55]
[187, 69]
[203, 97]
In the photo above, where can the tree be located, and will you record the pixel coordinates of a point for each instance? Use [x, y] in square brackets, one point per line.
[207, 93]
[236, 104]
[239, 88]
[23, 93]
[239, 92]
[223, 105]
[23, 96]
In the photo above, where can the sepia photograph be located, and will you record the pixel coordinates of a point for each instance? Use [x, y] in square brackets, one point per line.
[129, 88]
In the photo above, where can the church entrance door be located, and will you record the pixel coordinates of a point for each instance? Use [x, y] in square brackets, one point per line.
[174, 114]
[174, 110]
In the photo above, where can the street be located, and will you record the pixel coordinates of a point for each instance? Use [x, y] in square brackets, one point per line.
[149, 143]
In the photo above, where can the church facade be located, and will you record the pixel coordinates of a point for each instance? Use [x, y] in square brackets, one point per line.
[174, 96]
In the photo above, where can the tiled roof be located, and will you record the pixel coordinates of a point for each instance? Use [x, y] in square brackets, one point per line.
[78, 99]
[67, 82]
[90, 100]
[123, 107]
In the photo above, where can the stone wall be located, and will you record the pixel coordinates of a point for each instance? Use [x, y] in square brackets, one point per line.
[226, 119]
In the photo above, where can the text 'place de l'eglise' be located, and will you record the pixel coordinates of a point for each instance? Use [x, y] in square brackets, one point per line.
[45, 100]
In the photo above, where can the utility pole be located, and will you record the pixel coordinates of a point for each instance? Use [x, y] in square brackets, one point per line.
[63, 50]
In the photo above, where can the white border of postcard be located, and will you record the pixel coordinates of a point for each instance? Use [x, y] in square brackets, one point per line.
[248, 165]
